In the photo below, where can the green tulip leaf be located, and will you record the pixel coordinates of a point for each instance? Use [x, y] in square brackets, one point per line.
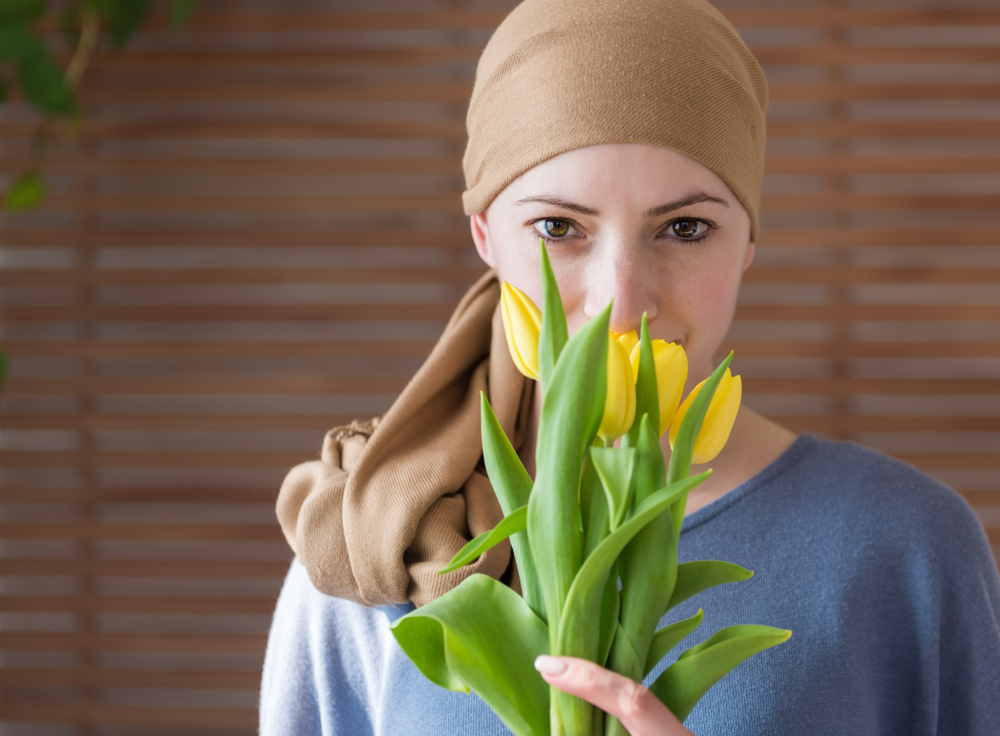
[668, 637]
[570, 417]
[628, 661]
[554, 332]
[511, 524]
[647, 392]
[683, 449]
[648, 564]
[615, 467]
[510, 480]
[577, 635]
[694, 577]
[25, 193]
[453, 641]
[593, 507]
[684, 682]
[610, 608]
[512, 485]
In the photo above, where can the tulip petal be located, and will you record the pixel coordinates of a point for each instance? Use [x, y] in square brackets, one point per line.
[522, 322]
[671, 374]
[619, 407]
[627, 340]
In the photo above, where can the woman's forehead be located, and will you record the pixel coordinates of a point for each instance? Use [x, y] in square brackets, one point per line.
[646, 176]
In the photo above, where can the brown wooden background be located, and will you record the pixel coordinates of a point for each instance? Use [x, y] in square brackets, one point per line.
[259, 236]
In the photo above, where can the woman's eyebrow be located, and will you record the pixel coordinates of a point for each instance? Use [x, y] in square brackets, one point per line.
[685, 202]
[556, 202]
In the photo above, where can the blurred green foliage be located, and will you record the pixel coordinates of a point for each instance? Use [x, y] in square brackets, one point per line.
[27, 62]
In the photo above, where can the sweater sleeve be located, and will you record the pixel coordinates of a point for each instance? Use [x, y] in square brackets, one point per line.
[316, 679]
[969, 647]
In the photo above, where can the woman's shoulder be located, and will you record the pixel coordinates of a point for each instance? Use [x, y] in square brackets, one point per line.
[871, 498]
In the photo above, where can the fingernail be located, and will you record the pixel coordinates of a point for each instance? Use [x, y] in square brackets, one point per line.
[549, 665]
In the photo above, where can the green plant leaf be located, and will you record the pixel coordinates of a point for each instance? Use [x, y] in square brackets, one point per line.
[570, 417]
[578, 636]
[694, 577]
[554, 333]
[180, 10]
[20, 11]
[648, 564]
[683, 684]
[614, 467]
[647, 392]
[45, 86]
[453, 641]
[610, 608]
[17, 43]
[512, 524]
[25, 193]
[683, 449]
[122, 16]
[668, 637]
[512, 485]
[3, 368]
[593, 508]
[628, 661]
[680, 457]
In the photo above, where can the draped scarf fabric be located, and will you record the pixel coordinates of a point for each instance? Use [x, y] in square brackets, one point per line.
[393, 499]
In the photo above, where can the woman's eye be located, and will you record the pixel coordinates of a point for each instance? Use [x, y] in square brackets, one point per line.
[687, 228]
[554, 227]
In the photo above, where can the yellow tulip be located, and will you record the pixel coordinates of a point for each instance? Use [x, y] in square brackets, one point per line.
[718, 421]
[522, 323]
[619, 406]
[671, 365]
[628, 340]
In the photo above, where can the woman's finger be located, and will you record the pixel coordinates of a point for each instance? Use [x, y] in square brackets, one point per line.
[641, 712]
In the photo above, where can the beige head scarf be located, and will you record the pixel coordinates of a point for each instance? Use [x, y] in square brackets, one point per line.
[563, 74]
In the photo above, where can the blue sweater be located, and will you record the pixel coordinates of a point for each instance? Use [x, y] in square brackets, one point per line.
[884, 576]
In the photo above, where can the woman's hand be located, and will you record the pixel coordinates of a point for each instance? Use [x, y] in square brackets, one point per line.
[641, 712]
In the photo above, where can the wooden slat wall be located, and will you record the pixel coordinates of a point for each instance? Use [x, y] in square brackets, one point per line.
[258, 236]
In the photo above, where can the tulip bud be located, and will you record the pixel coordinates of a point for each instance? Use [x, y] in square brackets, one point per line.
[628, 340]
[718, 421]
[619, 406]
[671, 365]
[522, 323]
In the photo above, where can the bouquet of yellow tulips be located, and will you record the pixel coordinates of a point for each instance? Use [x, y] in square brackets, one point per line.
[594, 516]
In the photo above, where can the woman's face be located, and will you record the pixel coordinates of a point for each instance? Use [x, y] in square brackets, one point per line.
[643, 225]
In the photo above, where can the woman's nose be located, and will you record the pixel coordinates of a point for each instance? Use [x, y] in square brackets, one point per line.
[619, 273]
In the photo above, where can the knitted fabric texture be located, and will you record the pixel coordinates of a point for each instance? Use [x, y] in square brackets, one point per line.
[391, 501]
[564, 74]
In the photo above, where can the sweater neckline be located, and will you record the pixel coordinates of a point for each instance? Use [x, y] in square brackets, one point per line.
[801, 446]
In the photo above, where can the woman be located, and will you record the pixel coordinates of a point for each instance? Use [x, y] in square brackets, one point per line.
[629, 135]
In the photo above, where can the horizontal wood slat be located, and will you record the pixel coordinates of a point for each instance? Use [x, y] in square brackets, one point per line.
[136, 531]
[19, 677]
[214, 718]
[127, 642]
[147, 568]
